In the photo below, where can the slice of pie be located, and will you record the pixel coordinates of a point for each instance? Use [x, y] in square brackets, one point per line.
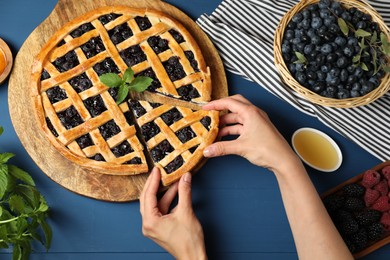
[80, 115]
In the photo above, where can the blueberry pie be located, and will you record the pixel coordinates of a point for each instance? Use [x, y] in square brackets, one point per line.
[80, 115]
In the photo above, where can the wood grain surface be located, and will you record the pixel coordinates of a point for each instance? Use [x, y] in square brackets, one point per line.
[71, 176]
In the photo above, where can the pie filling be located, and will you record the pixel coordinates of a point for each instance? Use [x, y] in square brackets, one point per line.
[81, 113]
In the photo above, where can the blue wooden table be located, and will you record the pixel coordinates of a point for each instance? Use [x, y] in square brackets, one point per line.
[238, 204]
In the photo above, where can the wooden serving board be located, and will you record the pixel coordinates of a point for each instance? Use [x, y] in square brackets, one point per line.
[71, 176]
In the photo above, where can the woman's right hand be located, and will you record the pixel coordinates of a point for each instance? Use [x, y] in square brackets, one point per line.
[258, 139]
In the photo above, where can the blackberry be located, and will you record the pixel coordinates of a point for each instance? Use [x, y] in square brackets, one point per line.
[375, 231]
[360, 239]
[349, 227]
[368, 217]
[334, 202]
[354, 204]
[353, 190]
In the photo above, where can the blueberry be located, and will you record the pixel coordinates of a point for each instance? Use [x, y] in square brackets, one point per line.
[316, 22]
[343, 93]
[325, 68]
[344, 75]
[325, 13]
[355, 93]
[334, 28]
[358, 72]
[306, 14]
[361, 25]
[326, 48]
[331, 57]
[329, 20]
[321, 75]
[346, 16]
[356, 86]
[375, 81]
[301, 77]
[348, 51]
[318, 87]
[334, 72]
[323, 4]
[316, 40]
[322, 30]
[311, 75]
[340, 40]
[299, 67]
[308, 49]
[305, 24]
[289, 34]
[297, 18]
[351, 79]
[342, 62]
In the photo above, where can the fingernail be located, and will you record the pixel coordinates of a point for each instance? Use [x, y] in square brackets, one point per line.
[209, 151]
[187, 177]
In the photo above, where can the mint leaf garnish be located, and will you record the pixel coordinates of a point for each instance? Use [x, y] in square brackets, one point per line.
[111, 80]
[125, 84]
[140, 83]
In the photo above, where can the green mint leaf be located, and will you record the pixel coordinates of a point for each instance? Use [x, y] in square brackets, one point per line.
[1, 130]
[140, 83]
[111, 80]
[300, 57]
[3, 244]
[374, 61]
[361, 33]
[43, 207]
[46, 231]
[21, 175]
[17, 252]
[356, 58]
[3, 179]
[128, 76]
[21, 225]
[364, 66]
[384, 39]
[374, 38]
[122, 93]
[343, 26]
[29, 194]
[1, 211]
[16, 204]
[4, 157]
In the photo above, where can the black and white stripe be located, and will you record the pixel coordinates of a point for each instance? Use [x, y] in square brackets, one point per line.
[243, 32]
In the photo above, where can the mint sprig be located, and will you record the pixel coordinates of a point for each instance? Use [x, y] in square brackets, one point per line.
[23, 210]
[125, 84]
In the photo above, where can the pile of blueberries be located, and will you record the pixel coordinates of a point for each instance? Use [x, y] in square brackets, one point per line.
[326, 64]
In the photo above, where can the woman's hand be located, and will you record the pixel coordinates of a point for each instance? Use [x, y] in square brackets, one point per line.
[259, 141]
[178, 231]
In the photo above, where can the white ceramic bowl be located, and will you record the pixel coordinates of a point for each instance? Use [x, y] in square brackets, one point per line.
[317, 149]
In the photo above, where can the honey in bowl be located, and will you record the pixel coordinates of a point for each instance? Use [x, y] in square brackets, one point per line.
[3, 61]
[317, 149]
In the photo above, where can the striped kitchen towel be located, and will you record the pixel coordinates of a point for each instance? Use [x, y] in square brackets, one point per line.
[243, 32]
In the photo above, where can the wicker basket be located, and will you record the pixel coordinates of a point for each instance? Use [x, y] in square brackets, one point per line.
[310, 95]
